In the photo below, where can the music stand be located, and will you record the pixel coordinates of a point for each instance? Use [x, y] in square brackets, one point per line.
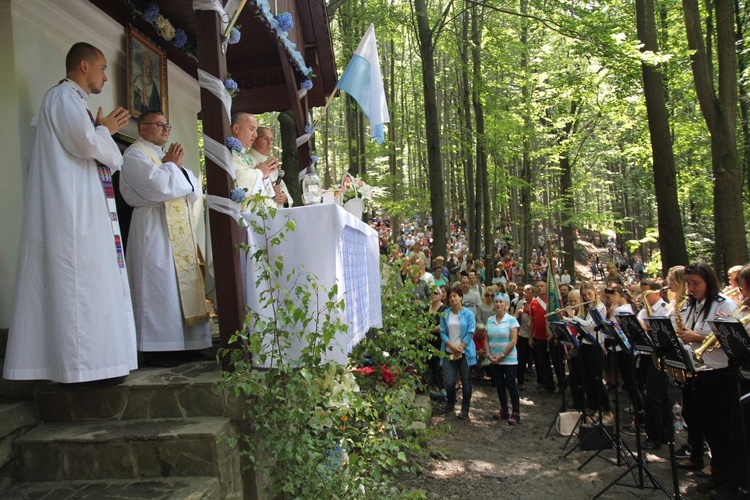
[616, 334]
[562, 334]
[735, 341]
[618, 339]
[582, 333]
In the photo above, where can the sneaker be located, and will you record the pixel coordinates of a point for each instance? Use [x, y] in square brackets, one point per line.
[514, 419]
[438, 395]
[464, 414]
[501, 415]
[682, 452]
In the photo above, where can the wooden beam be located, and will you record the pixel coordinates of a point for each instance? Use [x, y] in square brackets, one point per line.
[225, 233]
[303, 152]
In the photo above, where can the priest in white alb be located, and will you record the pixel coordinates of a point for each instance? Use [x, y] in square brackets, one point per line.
[259, 153]
[252, 175]
[72, 318]
[171, 315]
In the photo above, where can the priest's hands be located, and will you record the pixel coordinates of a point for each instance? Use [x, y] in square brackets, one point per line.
[174, 154]
[280, 196]
[268, 167]
[113, 121]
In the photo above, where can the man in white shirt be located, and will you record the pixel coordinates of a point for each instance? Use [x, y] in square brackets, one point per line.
[251, 174]
[565, 279]
[72, 319]
[171, 315]
[260, 153]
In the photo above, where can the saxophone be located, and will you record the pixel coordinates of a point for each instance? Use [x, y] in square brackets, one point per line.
[677, 375]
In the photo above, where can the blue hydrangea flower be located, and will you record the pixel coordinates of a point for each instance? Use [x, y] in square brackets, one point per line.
[234, 36]
[238, 195]
[307, 84]
[314, 159]
[234, 144]
[230, 84]
[180, 38]
[309, 129]
[285, 21]
[151, 12]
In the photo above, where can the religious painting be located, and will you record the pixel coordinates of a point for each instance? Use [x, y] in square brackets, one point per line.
[146, 74]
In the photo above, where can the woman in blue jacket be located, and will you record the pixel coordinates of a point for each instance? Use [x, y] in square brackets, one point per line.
[457, 326]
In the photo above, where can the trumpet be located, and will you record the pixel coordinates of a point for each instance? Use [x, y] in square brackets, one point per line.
[557, 311]
[731, 292]
[712, 342]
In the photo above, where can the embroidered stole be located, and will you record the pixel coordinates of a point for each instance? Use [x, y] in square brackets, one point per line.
[105, 177]
[184, 250]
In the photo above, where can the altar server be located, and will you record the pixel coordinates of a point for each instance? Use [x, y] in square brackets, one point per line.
[72, 318]
[171, 315]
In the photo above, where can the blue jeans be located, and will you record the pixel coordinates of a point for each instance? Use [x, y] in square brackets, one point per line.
[451, 371]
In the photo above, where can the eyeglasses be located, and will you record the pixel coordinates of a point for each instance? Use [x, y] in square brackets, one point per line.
[161, 126]
[488, 295]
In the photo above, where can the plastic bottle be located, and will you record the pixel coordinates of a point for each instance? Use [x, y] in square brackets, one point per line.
[679, 423]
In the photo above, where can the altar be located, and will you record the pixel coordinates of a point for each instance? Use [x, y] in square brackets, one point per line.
[337, 249]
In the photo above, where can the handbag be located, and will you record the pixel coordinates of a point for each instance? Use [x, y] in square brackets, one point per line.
[566, 422]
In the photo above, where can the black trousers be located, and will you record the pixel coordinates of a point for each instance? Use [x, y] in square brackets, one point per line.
[716, 399]
[542, 361]
[658, 411]
[592, 359]
[524, 352]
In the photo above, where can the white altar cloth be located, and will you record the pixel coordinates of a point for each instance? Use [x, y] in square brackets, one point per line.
[337, 248]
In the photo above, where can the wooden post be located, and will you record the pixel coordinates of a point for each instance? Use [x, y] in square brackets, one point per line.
[225, 233]
[303, 152]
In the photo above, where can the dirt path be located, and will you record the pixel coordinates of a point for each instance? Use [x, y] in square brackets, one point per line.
[485, 458]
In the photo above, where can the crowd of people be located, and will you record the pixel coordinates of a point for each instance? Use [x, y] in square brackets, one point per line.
[497, 325]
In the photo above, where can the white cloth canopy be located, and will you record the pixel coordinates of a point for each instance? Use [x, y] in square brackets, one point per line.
[72, 317]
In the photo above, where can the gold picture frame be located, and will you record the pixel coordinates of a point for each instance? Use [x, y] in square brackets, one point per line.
[146, 74]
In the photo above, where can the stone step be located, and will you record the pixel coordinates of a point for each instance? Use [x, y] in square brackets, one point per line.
[130, 449]
[188, 390]
[178, 488]
[14, 416]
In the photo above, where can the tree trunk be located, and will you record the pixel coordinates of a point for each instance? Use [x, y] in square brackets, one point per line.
[467, 155]
[720, 112]
[432, 127]
[484, 185]
[671, 232]
[525, 231]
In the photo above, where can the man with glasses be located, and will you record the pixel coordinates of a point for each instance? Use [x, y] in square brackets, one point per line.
[171, 316]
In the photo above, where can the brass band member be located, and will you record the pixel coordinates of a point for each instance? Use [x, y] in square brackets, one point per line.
[708, 396]
[593, 356]
[656, 404]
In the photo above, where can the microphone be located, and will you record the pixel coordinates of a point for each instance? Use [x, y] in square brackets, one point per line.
[279, 178]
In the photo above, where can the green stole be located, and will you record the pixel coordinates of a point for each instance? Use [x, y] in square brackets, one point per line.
[184, 250]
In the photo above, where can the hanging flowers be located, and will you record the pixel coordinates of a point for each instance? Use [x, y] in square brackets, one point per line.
[151, 12]
[231, 87]
[238, 195]
[306, 85]
[309, 129]
[164, 28]
[234, 35]
[285, 21]
[234, 144]
[180, 38]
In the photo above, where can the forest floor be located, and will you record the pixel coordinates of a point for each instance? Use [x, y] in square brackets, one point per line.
[483, 458]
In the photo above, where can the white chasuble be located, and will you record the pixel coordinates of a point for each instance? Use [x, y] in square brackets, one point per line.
[168, 316]
[72, 317]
